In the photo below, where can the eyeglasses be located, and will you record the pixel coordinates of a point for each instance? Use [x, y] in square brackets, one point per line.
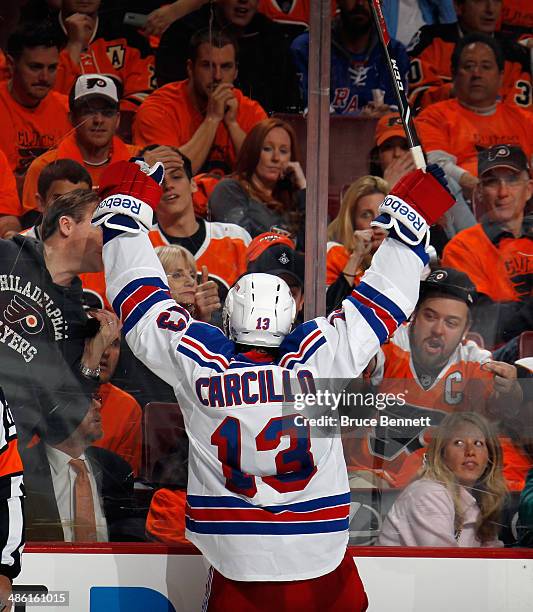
[511, 180]
[182, 275]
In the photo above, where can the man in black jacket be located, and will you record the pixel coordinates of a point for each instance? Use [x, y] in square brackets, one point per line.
[49, 349]
[266, 72]
[50, 476]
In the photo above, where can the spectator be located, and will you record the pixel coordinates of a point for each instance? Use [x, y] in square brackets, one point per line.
[360, 83]
[220, 247]
[351, 240]
[93, 143]
[56, 179]
[266, 72]
[268, 187]
[75, 491]
[50, 352]
[205, 115]
[458, 500]
[12, 505]
[392, 159]
[9, 200]
[453, 131]
[120, 413]
[436, 370]
[95, 46]
[432, 47]
[276, 254]
[32, 117]
[496, 253]
[405, 17]
[525, 512]
[200, 300]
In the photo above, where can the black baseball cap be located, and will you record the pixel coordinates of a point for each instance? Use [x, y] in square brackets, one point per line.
[449, 281]
[273, 253]
[502, 156]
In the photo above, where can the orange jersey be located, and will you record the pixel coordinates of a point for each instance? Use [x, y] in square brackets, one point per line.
[517, 16]
[121, 422]
[205, 184]
[166, 517]
[9, 199]
[516, 464]
[68, 149]
[115, 58]
[223, 251]
[336, 258]
[395, 453]
[290, 11]
[448, 126]
[168, 117]
[430, 73]
[503, 270]
[26, 133]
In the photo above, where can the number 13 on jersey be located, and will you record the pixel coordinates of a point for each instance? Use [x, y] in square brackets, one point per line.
[294, 465]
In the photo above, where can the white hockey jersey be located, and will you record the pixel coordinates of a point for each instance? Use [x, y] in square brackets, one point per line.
[266, 501]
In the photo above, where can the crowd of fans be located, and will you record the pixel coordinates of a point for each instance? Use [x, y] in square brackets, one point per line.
[212, 91]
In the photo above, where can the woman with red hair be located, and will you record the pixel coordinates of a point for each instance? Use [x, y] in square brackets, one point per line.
[267, 188]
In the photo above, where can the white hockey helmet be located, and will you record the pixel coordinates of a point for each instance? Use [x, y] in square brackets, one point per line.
[259, 310]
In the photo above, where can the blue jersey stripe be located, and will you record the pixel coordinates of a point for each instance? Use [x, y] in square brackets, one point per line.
[249, 528]
[141, 309]
[378, 327]
[125, 292]
[225, 501]
[292, 361]
[214, 365]
[381, 300]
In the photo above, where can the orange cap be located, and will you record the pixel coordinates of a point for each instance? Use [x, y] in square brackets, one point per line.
[389, 126]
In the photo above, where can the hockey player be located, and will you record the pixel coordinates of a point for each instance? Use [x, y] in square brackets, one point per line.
[267, 503]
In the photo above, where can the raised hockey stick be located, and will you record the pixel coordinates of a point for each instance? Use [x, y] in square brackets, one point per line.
[399, 90]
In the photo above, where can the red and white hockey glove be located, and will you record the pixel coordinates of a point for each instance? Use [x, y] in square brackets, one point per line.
[414, 203]
[130, 193]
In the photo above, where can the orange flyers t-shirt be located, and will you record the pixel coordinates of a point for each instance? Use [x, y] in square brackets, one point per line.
[502, 271]
[121, 422]
[168, 117]
[9, 199]
[448, 126]
[68, 149]
[396, 453]
[26, 133]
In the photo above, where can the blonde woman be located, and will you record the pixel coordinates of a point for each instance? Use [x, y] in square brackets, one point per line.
[458, 499]
[351, 240]
[200, 299]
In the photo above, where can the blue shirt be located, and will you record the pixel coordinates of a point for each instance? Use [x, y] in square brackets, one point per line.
[353, 76]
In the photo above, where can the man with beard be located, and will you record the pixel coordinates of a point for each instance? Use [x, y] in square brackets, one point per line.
[360, 81]
[431, 369]
[266, 71]
[205, 116]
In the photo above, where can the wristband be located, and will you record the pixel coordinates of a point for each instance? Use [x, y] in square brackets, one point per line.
[92, 373]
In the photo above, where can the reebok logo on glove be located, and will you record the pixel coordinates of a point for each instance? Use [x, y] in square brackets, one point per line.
[394, 204]
[119, 203]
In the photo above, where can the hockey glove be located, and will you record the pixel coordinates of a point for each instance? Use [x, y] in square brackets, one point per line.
[414, 203]
[130, 193]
